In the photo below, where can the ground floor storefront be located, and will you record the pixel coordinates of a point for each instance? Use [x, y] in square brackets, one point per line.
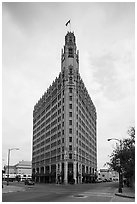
[66, 172]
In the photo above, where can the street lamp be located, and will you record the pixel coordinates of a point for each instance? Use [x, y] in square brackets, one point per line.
[9, 162]
[120, 175]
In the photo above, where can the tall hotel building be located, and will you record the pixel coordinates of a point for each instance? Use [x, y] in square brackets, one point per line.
[64, 126]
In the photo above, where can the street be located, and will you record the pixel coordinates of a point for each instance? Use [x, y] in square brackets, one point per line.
[98, 192]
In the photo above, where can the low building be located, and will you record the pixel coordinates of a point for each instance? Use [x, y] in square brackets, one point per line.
[106, 174]
[21, 171]
[12, 172]
[12, 169]
[24, 169]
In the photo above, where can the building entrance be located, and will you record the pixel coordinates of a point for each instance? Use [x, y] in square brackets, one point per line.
[70, 172]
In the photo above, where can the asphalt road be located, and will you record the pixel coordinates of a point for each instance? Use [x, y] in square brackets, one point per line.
[98, 192]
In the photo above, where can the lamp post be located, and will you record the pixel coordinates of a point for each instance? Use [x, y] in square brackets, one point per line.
[9, 162]
[120, 173]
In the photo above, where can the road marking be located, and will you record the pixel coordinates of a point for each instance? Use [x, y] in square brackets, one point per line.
[103, 193]
[97, 194]
[79, 196]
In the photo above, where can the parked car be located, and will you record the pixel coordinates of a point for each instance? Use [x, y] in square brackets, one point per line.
[109, 180]
[99, 180]
[105, 180]
[29, 182]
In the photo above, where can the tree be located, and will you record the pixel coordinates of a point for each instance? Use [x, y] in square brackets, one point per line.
[126, 154]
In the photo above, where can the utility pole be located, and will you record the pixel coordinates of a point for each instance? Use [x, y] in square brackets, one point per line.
[118, 163]
[9, 163]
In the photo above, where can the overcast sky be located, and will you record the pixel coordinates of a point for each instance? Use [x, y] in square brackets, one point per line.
[33, 35]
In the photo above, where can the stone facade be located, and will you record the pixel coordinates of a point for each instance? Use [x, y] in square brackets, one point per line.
[23, 169]
[64, 126]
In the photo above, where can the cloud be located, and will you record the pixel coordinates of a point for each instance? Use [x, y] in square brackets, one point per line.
[114, 71]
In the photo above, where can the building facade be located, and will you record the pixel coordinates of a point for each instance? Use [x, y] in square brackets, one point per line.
[64, 126]
[107, 174]
[24, 169]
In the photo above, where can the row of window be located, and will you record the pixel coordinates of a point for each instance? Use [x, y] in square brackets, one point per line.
[81, 152]
[37, 144]
[55, 158]
[49, 106]
[49, 120]
[85, 109]
[52, 110]
[87, 147]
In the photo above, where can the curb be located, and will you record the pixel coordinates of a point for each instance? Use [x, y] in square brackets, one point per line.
[126, 196]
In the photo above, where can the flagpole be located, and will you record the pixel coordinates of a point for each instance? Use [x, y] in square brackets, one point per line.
[70, 25]
[69, 22]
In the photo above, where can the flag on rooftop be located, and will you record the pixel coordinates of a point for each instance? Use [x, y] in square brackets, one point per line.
[67, 22]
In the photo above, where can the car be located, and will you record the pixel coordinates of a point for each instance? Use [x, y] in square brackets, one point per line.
[99, 180]
[29, 182]
[109, 180]
[105, 180]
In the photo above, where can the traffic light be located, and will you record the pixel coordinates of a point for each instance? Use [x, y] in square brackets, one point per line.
[118, 162]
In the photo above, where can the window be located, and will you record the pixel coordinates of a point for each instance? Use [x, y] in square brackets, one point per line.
[70, 52]
[70, 106]
[70, 156]
[70, 114]
[70, 39]
[59, 141]
[70, 122]
[59, 96]
[70, 147]
[59, 104]
[70, 98]
[62, 140]
[70, 70]
[59, 126]
[70, 80]
[70, 90]
[70, 130]
[59, 134]
[70, 139]
[59, 118]
[59, 111]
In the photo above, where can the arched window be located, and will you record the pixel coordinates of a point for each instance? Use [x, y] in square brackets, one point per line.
[70, 54]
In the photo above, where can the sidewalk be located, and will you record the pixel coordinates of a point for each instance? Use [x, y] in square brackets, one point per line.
[127, 192]
[10, 188]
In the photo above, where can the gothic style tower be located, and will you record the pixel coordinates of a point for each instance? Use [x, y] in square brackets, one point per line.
[64, 126]
[69, 56]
